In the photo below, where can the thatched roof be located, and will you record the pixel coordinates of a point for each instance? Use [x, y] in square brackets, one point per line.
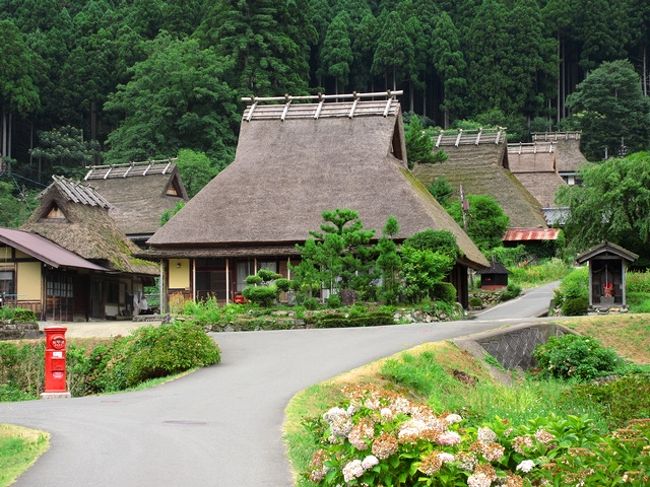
[482, 169]
[138, 192]
[286, 173]
[534, 166]
[567, 147]
[86, 230]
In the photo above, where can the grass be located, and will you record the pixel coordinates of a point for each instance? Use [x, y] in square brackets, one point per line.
[638, 302]
[447, 378]
[19, 449]
[148, 384]
[628, 335]
[530, 276]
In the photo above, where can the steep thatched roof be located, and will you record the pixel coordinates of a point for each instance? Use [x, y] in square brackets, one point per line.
[138, 192]
[85, 229]
[567, 148]
[286, 173]
[534, 166]
[481, 169]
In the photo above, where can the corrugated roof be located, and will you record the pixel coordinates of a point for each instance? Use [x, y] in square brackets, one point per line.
[131, 169]
[531, 234]
[45, 250]
[77, 193]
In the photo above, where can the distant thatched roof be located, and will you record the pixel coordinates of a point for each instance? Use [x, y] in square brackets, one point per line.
[138, 192]
[567, 148]
[86, 230]
[481, 169]
[534, 166]
[286, 173]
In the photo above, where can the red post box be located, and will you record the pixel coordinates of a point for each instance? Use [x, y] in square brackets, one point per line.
[55, 363]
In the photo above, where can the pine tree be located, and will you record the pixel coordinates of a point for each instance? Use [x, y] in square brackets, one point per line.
[336, 52]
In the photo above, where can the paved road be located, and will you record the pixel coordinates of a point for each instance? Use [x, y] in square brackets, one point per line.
[533, 303]
[220, 426]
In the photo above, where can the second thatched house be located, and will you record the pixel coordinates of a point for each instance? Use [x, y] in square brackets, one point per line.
[70, 261]
[569, 158]
[294, 160]
[138, 193]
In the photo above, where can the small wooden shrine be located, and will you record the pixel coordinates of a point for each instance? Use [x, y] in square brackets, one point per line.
[495, 277]
[607, 266]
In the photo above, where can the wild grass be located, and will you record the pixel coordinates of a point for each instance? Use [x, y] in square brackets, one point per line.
[528, 276]
[19, 449]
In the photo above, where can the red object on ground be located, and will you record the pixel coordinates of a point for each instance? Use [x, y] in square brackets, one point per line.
[55, 360]
[239, 299]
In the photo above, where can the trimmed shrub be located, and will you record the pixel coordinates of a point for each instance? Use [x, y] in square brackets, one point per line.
[283, 284]
[575, 306]
[574, 356]
[19, 315]
[152, 352]
[311, 303]
[340, 320]
[574, 285]
[444, 291]
[475, 302]
[511, 292]
[334, 301]
[262, 295]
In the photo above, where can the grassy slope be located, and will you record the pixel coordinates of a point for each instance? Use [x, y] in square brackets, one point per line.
[19, 449]
[530, 276]
[629, 334]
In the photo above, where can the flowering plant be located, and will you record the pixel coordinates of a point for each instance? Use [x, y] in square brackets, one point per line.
[380, 438]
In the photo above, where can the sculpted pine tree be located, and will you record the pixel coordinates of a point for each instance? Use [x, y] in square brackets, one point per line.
[336, 52]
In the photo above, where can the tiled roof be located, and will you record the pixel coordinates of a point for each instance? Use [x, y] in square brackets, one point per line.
[78, 193]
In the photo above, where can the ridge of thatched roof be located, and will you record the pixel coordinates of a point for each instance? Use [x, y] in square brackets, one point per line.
[88, 231]
[569, 158]
[481, 169]
[76, 192]
[138, 192]
[458, 137]
[286, 173]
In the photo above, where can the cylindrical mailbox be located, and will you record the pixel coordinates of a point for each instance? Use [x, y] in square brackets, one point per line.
[55, 344]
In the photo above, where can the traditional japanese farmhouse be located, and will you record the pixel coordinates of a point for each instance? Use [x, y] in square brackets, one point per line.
[535, 166]
[478, 160]
[296, 157]
[138, 193]
[569, 158]
[70, 261]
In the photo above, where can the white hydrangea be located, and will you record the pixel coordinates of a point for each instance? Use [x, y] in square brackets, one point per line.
[339, 421]
[353, 470]
[526, 466]
[386, 414]
[448, 438]
[369, 462]
[446, 457]
[486, 435]
[453, 418]
[479, 480]
[412, 428]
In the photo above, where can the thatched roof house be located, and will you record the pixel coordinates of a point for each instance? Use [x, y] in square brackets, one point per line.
[569, 158]
[70, 261]
[479, 161]
[534, 165]
[293, 161]
[139, 193]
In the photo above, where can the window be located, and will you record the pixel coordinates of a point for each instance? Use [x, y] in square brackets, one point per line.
[54, 213]
[7, 282]
[270, 265]
[244, 269]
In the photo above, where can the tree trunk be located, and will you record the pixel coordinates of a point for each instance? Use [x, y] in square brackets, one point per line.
[394, 84]
[424, 99]
[93, 120]
[336, 87]
[40, 169]
[11, 123]
[446, 118]
[559, 76]
[411, 100]
[645, 74]
[31, 143]
[3, 141]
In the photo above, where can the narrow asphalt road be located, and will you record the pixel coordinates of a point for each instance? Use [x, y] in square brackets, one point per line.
[220, 426]
[533, 303]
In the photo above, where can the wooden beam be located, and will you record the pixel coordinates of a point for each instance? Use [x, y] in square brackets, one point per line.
[354, 106]
[345, 96]
[108, 172]
[147, 169]
[250, 112]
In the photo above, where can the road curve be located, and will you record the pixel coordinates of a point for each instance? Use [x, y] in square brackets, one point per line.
[220, 426]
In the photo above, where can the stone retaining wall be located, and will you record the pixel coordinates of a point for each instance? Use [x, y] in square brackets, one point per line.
[19, 331]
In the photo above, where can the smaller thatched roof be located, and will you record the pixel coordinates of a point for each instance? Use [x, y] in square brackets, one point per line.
[85, 229]
[482, 169]
[77, 193]
[139, 192]
[569, 158]
[534, 166]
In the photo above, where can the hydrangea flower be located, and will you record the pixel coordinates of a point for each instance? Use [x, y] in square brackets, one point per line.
[446, 457]
[453, 418]
[478, 480]
[353, 470]
[448, 438]
[486, 435]
[369, 462]
[526, 466]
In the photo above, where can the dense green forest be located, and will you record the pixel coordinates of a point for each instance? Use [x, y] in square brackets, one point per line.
[85, 81]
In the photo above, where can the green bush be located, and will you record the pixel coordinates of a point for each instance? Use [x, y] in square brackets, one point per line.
[574, 285]
[262, 295]
[623, 399]
[9, 392]
[311, 303]
[253, 280]
[444, 291]
[575, 306]
[152, 352]
[574, 356]
[341, 320]
[511, 292]
[475, 302]
[19, 315]
[283, 284]
[334, 301]
[638, 282]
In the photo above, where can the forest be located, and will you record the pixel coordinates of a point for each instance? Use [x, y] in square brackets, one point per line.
[112, 81]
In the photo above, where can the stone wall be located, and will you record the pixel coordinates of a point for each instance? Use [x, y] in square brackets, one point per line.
[19, 331]
[514, 347]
